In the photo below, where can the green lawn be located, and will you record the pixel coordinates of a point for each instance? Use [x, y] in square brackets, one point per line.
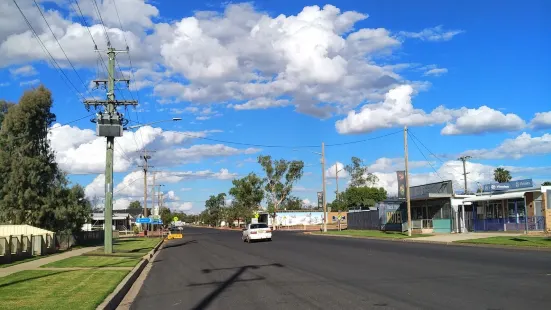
[59, 290]
[541, 242]
[370, 233]
[94, 261]
[132, 247]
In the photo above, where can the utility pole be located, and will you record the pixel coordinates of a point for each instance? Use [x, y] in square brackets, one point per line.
[464, 159]
[408, 200]
[323, 183]
[336, 181]
[109, 124]
[145, 167]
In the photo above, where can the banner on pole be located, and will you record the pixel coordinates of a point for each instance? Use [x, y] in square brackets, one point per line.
[401, 176]
[320, 199]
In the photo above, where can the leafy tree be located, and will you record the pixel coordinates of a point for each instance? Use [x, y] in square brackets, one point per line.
[69, 211]
[502, 175]
[214, 208]
[292, 203]
[34, 190]
[359, 175]
[166, 215]
[28, 169]
[279, 179]
[355, 197]
[135, 205]
[546, 183]
[248, 194]
[4, 107]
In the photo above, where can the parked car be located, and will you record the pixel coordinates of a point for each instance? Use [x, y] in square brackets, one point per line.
[259, 231]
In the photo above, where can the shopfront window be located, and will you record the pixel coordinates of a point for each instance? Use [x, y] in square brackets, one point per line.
[520, 208]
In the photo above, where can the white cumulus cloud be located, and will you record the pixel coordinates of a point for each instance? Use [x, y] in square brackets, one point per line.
[397, 110]
[541, 121]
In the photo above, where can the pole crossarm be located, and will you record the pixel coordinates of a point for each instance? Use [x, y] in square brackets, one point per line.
[94, 102]
[104, 81]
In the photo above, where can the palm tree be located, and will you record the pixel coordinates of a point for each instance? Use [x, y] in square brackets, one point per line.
[546, 183]
[502, 175]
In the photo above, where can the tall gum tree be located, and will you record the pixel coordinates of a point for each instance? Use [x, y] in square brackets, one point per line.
[280, 176]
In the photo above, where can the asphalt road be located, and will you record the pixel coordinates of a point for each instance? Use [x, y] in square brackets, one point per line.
[214, 269]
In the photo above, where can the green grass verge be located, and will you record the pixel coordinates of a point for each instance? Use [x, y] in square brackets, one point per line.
[59, 290]
[370, 233]
[94, 261]
[132, 247]
[540, 242]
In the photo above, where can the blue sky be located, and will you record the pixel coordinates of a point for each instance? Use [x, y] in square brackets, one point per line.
[484, 65]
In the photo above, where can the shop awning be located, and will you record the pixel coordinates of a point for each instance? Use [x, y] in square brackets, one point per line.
[495, 197]
[428, 196]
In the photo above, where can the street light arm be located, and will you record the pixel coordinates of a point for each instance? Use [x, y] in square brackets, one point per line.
[174, 119]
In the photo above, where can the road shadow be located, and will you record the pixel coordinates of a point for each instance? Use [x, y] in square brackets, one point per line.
[174, 245]
[205, 302]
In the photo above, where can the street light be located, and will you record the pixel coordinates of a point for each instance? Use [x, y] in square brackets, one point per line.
[174, 119]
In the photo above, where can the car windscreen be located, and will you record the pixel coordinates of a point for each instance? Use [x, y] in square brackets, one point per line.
[255, 226]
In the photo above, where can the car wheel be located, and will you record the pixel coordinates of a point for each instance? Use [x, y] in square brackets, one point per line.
[248, 240]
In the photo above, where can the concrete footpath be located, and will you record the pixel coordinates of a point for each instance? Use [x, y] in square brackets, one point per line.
[43, 261]
[449, 238]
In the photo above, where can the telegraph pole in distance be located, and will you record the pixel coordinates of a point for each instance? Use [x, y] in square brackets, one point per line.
[145, 167]
[464, 159]
[109, 124]
[336, 181]
[408, 200]
[323, 181]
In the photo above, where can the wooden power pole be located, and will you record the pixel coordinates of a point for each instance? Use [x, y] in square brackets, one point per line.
[109, 124]
[408, 200]
[464, 159]
[323, 184]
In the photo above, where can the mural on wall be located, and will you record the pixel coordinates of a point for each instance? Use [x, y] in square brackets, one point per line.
[299, 218]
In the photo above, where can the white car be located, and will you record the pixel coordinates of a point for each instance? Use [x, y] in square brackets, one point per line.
[259, 231]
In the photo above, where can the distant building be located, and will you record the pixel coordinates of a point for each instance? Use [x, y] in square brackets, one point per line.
[121, 222]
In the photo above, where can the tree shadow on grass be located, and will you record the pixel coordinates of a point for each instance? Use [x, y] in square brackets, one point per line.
[49, 274]
[205, 302]
[519, 239]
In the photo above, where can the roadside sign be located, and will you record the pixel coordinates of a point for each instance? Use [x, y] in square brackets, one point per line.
[143, 220]
[156, 221]
[256, 215]
[254, 220]
[175, 219]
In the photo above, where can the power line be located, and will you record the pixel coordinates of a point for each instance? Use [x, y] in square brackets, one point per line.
[442, 161]
[364, 140]
[84, 21]
[61, 47]
[45, 50]
[287, 146]
[76, 120]
[108, 43]
[131, 67]
[126, 186]
[419, 149]
[102, 23]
